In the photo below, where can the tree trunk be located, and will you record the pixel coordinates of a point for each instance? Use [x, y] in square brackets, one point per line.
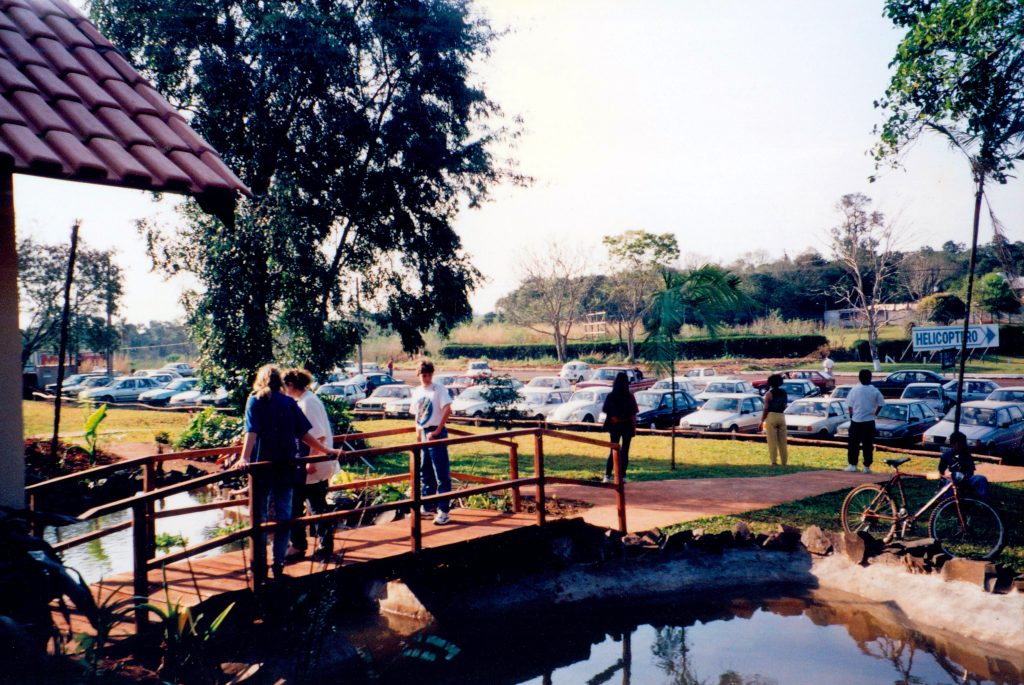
[631, 343]
[873, 342]
[62, 347]
[978, 196]
[559, 345]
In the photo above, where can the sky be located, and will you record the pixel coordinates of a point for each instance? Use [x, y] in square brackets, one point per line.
[737, 125]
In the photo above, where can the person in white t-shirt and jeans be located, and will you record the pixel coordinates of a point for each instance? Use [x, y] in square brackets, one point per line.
[863, 403]
[318, 475]
[827, 365]
[431, 406]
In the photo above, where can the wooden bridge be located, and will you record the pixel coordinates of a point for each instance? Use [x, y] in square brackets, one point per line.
[181, 575]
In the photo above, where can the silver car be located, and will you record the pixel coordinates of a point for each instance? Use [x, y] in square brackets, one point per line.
[119, 390]
[990, 427]
[730, 386]
[382, 395]
[584, 406]
[817, 417]
[931, 393]
[733, 413]
[541, 403]
[349, 393]
[1011, 394]
[974, 389]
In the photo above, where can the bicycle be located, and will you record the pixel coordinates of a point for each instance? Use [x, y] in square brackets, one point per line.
[962, 526]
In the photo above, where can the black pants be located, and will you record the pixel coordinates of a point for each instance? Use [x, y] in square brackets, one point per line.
[861, 433]
[622, 436]
[316, 495]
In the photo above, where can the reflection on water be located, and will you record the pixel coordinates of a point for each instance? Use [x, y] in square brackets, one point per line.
[113, 553]
[741, 642]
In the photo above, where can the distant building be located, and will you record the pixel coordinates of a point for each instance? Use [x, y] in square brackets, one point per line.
[897, 314]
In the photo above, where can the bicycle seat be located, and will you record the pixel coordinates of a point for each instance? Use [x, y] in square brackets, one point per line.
[896, 462]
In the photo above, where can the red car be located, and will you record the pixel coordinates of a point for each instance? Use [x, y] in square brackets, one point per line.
[822, 382]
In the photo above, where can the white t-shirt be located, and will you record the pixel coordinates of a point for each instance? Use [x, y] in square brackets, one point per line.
[863, 400]
[315, 412]
[428, 403]
[827, 364]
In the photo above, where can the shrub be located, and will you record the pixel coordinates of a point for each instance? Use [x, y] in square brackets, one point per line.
[210, 428]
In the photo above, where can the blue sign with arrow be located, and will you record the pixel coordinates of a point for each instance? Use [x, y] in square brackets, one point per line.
[950, 337]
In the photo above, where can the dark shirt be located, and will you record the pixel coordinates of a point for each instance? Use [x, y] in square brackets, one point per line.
[620, 410]
[957, 462]
[778, 401]
[279, 426]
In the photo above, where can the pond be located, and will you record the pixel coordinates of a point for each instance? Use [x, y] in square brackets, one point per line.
[782, 640]
[113, 553]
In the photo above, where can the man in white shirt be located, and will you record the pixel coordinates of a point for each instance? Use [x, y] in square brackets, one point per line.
[863, 403]
[431, 406]
[827, 365]
[318, 475]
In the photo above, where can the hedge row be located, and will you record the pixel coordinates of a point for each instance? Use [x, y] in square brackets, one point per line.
[1011, 342]
[693, 348]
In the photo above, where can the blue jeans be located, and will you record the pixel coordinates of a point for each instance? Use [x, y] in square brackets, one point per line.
[276, 495]
[435, 471]
[976, 486]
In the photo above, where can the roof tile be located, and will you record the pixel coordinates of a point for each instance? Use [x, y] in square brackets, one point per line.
[92, 95]
[161, 134]
[90, 31]
[212, 160]
[83, 162]
[18, 49]
[125, 70]
[166, 173]
[30, 148]
[7, 157]
[202, 175]
[123, 127]
[82, 120]
[8, 113]
[45, 8]
[96, 66]
[6, 23]
[121, 165]
[67, 32]
[58, 56]
[133, 103]
[49, 84]
[12, 79]
[30, 24]
[37, 112]
[154, 98]
[192, 138]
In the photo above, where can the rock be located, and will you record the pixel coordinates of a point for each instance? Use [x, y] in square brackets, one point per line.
[676, 542]
[938, 560]
[969, 571]
[654, 536]
[698, 532]
[887, 559]
[816, 541]
[1018, 583]
[742, 532]
[1003, 582]
[385, 517]
[785, 539]
[854, 547]
[712, 544]
[916, 564]
[632, 540]
[921, 548]
[563, 549]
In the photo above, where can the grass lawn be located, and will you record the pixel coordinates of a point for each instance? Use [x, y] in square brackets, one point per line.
[121, 425]
[823, 511]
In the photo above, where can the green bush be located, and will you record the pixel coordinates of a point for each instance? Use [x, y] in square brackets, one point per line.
[339, 414]
[690, 348]
[210, 428]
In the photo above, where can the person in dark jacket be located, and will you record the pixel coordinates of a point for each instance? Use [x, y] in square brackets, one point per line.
[773, 419]
[620, 412]
[959, 461]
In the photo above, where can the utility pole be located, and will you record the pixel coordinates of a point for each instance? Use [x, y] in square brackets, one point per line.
[359, 322]
[62, 347]
[110, 315]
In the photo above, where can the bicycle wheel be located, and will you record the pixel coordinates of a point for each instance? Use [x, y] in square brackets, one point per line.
[870, 509]
[973, 530]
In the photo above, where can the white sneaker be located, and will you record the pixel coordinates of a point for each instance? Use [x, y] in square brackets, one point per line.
[851, 468]
[867, 469]
[606, 479]
[442, 518]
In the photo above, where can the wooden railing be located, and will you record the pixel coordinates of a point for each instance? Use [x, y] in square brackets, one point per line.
[142, 504]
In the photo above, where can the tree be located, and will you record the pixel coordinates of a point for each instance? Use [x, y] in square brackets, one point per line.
[996, 296]
[924, 272]
[941, 308]
[865, 244]
[42, 269]
[357, 128]
[552, 294]
[637, 257]
[958, 72]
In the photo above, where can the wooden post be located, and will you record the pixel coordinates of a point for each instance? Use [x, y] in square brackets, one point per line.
[12, 439]
[538, 472]
[415, 517]
[141, 544]
[513, 468]
[149, 484]
[259, 542]
[620, 488]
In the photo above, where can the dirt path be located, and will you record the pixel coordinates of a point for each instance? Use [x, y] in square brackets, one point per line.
[651, 504]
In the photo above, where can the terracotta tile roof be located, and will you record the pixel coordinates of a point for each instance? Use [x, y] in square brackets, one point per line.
[72, 107]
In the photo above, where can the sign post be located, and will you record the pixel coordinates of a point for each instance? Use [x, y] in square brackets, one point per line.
[927, 338]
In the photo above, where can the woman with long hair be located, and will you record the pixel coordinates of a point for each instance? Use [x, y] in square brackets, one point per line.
[773, 419]
[274, 427]
[620, 412]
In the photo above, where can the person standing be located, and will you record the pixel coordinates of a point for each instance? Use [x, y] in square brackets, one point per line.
[391, 367]
[620, 412]
[274, 427]
[827, 364]
[431, 406]
[773, 419]
[313, 486]
[863, 403]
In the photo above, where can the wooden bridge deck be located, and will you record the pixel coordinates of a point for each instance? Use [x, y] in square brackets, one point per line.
[195, 580]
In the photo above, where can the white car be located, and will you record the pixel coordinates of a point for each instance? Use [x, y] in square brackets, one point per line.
[540, 403]
[931, 393]
[349, 393]
[574, 372]
[734, 413]
[840, 392]
[119, 390]
[815, 417]
[399, 408]
[1009, 394]
[479, 369]
[161, 396]
[152, 373]
[551, 382]
[726, 387]
[181, 368]
[471, 402]
[196, 396]
[382, 395]
[583, 406]
[676, 383]
[700, 377]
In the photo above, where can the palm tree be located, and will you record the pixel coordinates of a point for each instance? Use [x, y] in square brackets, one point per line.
[705, 293]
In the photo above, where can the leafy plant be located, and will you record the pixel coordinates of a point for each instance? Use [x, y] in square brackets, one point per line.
[490, 501]
[162, 438]
[165, 541]
[92, 425]
[210, 428]
[110, 613]
[501, 397]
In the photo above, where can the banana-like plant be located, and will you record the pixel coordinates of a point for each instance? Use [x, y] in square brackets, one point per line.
[91, 435]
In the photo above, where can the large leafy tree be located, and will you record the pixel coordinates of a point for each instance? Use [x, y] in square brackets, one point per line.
[358, 128]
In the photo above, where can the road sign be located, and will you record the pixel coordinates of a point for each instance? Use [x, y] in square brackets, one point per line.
[950, 337]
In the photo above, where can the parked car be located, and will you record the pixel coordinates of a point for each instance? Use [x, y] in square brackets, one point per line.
[841, 391]
[181, 368]
[471, 402]
[574, 372]
[824, 383]
[606, 376]
[346, 392]
[932, 393]
[816, 417]
[479, 369]
[214, 398]
[461, 383]
[730, 386]
[199, 397]
[71, 381]
[676, 383]
[159, 397]
[540, 403]
[371, 381]
[584, 405]
[1011, 394]
[893, 384]
[90, 383]
[399, 407]
[448, 380]
[382, 395]
[899, 422]
[700, 377]
[797, 389]
[991, 427]
[161, 377]
[119, 390]
[735, 413]
[658, 411]
[974, 389]
[553, 382]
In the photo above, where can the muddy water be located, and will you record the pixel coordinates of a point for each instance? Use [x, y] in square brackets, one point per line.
[837, 640]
